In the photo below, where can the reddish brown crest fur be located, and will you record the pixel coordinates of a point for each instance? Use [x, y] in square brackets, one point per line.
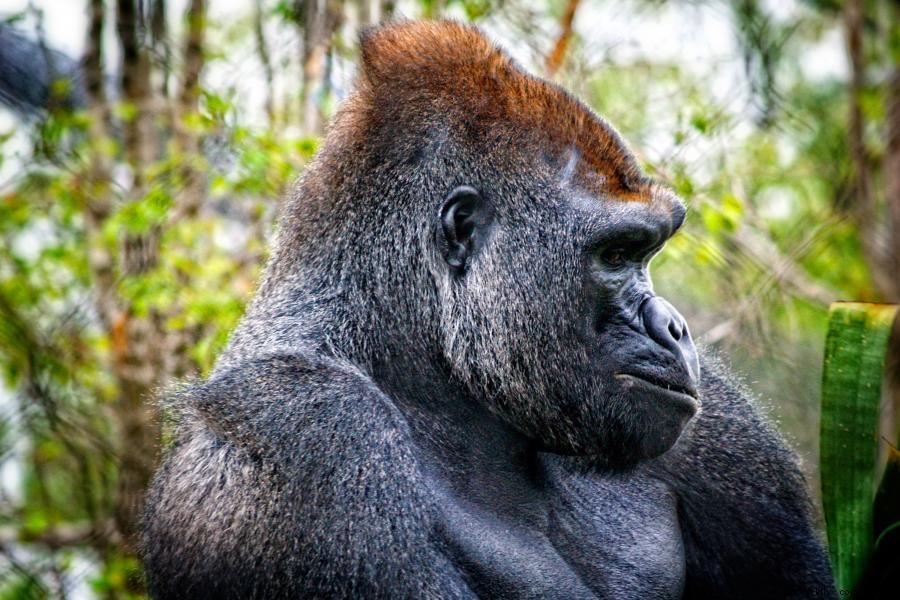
[454, 66]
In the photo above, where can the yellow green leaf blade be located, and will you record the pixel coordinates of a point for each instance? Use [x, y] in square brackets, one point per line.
[855, 352]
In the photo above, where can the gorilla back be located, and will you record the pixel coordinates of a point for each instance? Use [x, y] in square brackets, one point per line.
[456, 381]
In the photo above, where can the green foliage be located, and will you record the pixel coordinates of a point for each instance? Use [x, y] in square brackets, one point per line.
[22, 586]
[121, 577]
[55, 352]
[855, 353]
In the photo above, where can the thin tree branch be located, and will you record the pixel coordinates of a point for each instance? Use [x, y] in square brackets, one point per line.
[558, 53]
[264, 58]
[64, 535]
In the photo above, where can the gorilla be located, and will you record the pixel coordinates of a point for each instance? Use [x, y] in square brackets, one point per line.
[455, 380]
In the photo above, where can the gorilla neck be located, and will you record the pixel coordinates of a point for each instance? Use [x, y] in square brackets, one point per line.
[464, 446]
[461, 442]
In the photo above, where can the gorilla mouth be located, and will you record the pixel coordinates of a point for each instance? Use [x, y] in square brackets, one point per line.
[650, 383]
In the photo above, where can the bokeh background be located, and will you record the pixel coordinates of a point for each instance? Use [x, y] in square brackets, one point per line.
[145, 146]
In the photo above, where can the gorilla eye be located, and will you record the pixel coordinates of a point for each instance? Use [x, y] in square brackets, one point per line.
[614, 257]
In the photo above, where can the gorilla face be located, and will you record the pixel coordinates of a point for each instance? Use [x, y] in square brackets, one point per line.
[535, 224]
[549, 315]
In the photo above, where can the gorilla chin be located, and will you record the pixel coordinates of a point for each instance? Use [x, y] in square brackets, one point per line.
[640, 420]
[661, 413]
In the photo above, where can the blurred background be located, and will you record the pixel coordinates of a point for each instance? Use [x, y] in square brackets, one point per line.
[145, 144]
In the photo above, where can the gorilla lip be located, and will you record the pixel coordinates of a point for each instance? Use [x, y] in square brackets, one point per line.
[681, 394]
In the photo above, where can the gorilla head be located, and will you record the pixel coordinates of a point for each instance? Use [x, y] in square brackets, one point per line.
[470, 222]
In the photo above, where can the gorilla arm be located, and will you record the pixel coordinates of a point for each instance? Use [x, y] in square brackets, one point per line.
[290, 477]
[743, 504]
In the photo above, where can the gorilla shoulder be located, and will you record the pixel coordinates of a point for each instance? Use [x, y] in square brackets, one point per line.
[306, 462]
[743, 501]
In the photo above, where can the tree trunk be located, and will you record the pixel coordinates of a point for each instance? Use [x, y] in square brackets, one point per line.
[98, 201]
[386, 9]
[138, 131]
[193, 180]
[162, 50]
[265, 60]
[193, 54]
[892, 197]
[135, 340]
[865, 208]
[892, 175]
[320, 21]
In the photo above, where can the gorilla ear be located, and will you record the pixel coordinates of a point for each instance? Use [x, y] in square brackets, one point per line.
[464, 223]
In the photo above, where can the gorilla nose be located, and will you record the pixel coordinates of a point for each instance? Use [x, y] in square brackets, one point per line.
[667, 327]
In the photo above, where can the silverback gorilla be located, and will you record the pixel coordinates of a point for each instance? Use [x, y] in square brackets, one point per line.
[455, 380]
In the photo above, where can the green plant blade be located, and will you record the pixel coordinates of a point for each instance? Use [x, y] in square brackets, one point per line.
[855, 351]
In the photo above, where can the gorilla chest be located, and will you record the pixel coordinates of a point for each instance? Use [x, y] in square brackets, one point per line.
[586, 537]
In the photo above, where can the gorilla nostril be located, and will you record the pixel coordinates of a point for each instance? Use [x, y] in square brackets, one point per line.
[663, 325]
[676, 330]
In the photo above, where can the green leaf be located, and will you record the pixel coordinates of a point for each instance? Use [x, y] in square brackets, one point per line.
[700, 122]
[17, 586]
[855, 351]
